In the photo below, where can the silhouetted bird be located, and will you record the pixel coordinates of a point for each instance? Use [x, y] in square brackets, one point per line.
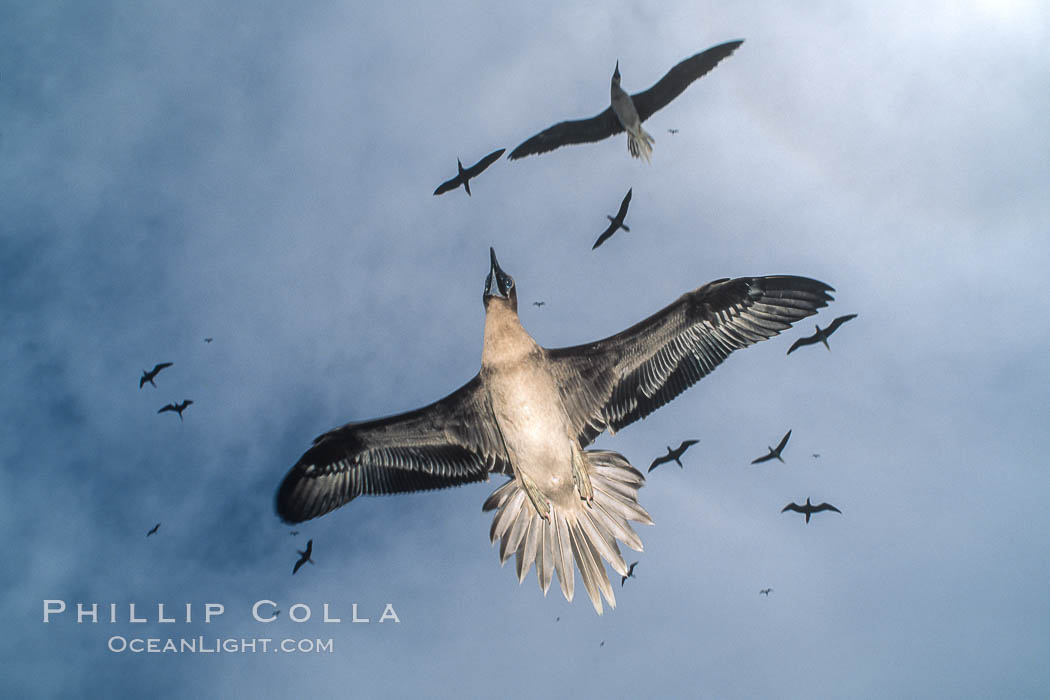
[153, 530]
[774, 453]
[531, 412]
[538, 303]
[177, 407]
[149, 376]
[821, 336]
[464, 175]
[208, 340]
[629, 574]
[672, 131]
[304, 556]
[673, 455]
[627, 112]
[602, 644]
[615, 222]
[765, 592]
[293, 533]
[816, 455]
[809, 509]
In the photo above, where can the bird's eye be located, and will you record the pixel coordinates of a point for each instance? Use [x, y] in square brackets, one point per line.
[510, 283]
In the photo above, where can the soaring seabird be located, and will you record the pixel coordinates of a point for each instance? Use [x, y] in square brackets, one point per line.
[151, 374]
[627, 112]
[153, 530]
[774, 453]
[821, 336]
[765, 592]
[615, 222]
[304, 556]
[809, 509]
[464, 174]
[177, 407]
[673, 455]
[530, 413]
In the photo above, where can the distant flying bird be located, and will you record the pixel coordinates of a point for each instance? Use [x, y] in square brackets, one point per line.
[602, 644]
[809, 509]
[672, 131]
[765, 592]
[816, 455]
[821, 336]
[464, 175]
[774, 453]
[208, 340]
[673, 455]
[149, 376]
[615, 222]
[531, 412]
[629, 574]
[177, 407]
[293, 533]
[304, 556]
[153, 531]
[538, 303]
[627, 112]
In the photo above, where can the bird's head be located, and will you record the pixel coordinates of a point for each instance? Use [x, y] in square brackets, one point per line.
[616, 74]
[499, 285]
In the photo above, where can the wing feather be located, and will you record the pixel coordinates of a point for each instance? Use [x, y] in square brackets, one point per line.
[450, 442]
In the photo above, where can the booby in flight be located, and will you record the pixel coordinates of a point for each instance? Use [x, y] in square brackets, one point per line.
[627, 112]
[464, 174]
[531, 411]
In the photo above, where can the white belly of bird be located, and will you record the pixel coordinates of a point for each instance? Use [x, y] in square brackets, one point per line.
[535, 430]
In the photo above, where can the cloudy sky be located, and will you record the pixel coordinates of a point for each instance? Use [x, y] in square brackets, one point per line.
[172, 171]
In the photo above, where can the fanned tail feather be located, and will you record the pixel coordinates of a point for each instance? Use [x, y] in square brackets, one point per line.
[640, 145]
[585, 532]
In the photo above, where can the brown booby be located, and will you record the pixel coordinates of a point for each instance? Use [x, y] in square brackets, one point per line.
[464, 174]
[821, 336]
[774, 453]
[809, 509]
[531, 411]
[673, 455]
[151, 374]
[177, 407]
[627, 112]
[615, 222]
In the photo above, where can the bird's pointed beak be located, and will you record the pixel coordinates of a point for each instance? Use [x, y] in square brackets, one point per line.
[498, 282]
[616, 71]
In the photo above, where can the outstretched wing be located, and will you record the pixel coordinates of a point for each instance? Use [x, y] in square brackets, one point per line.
[686, 444]
[679, 78]
[764, 458]
[167, 407]
[783, 442]
[793, 506]
[450, 442]
[658, 461]
[825, 506]
[808, 340]
[605, 235]
[481, 165]
[448, 185]
[623, 206]
[838, 322]
[613, 382]
[599, 127]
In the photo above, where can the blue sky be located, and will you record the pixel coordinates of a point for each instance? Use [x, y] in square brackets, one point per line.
[263, 176]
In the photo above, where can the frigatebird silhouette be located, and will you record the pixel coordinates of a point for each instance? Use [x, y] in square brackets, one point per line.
[821, 336]
[149, 376]
[304, 556]
[774, 453]
[809, 509]
[615, 222]
[674, 455]
[177, 407]
[465, 174]
[630, 574]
